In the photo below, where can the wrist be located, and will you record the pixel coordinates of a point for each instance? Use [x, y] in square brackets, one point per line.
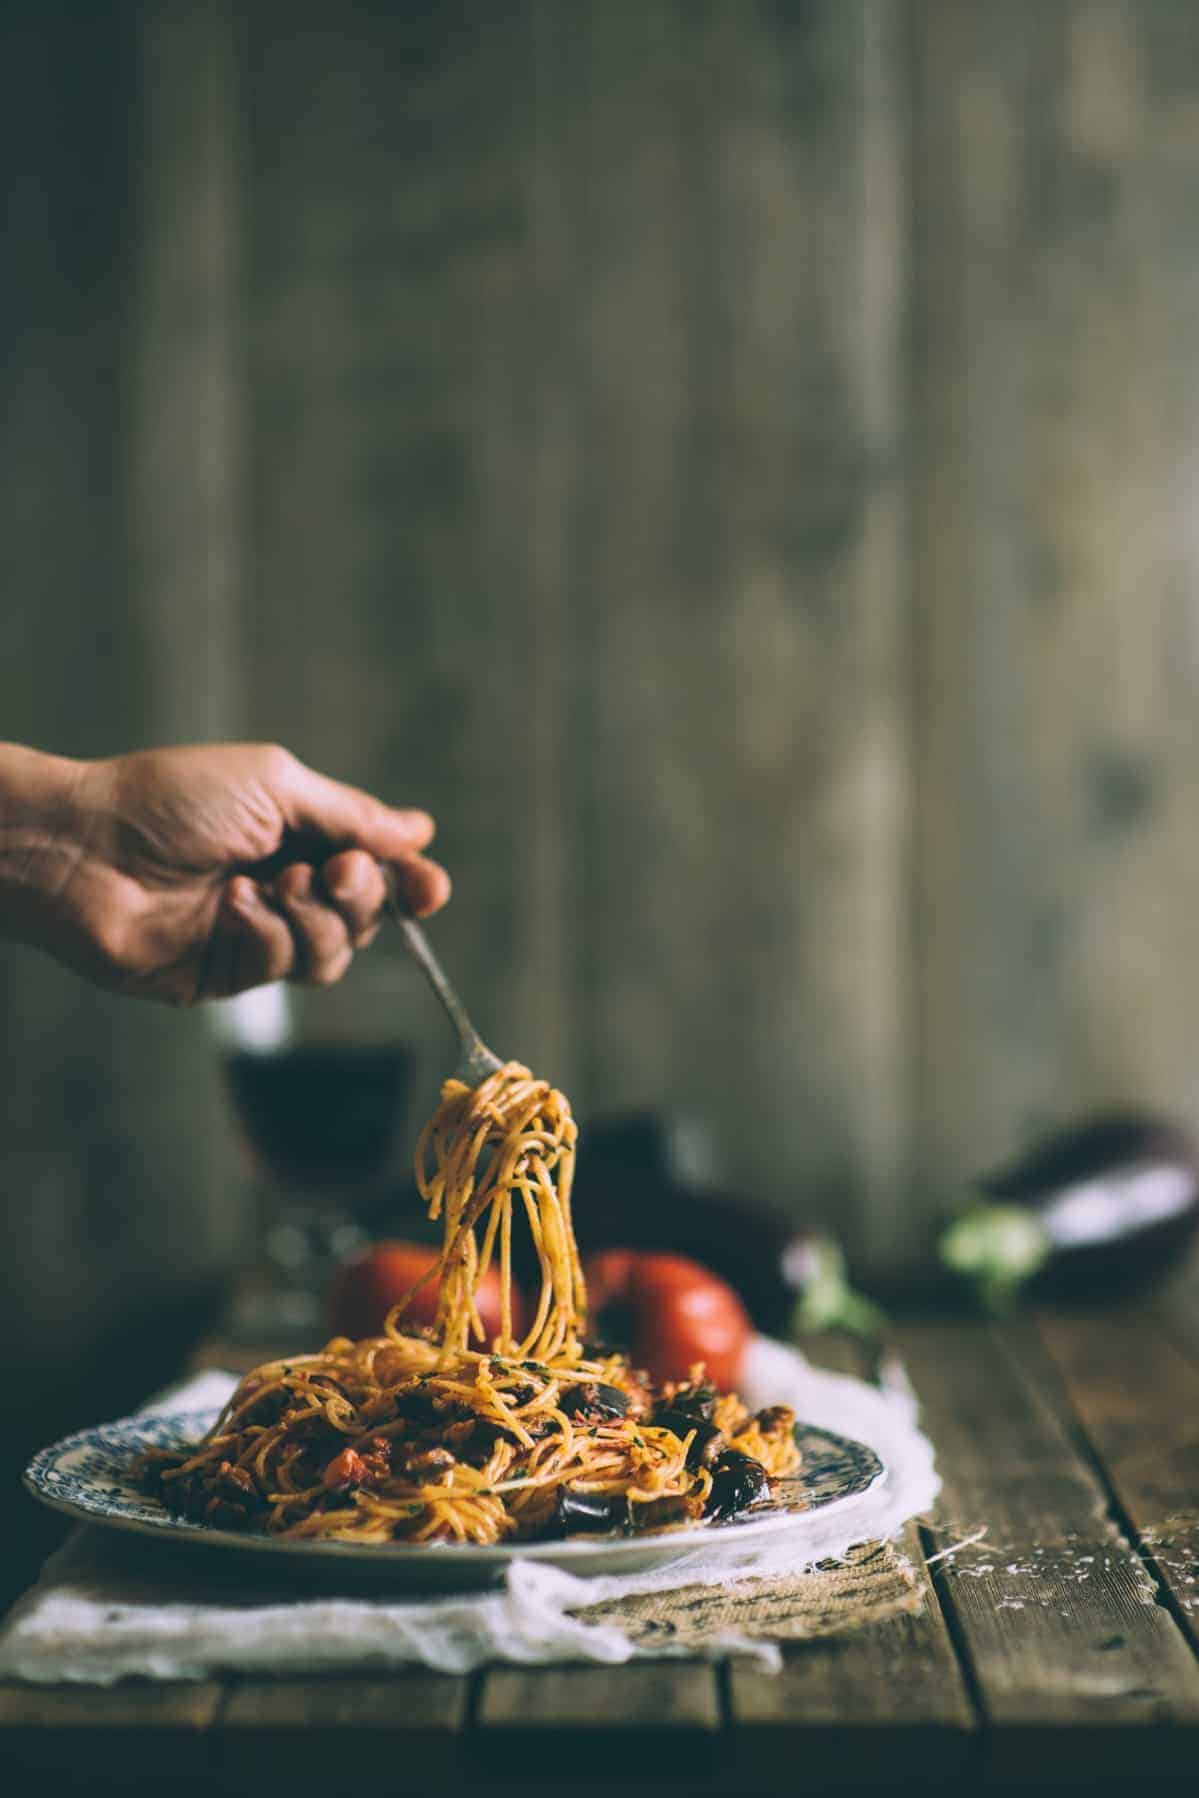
[41, 838]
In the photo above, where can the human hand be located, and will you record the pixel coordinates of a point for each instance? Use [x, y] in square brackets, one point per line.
[188, 874]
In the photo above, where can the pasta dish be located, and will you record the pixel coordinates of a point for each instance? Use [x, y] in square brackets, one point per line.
[437, 1435]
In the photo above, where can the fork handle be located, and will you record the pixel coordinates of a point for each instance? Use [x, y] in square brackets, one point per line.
[477, 1059]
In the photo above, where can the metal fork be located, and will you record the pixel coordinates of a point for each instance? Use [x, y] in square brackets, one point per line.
[476, 1061]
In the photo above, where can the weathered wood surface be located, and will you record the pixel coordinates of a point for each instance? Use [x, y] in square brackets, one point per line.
[118, 520]
[1136, 1396]
[662, 1697]
[894, 1694]
[411, 434]
[116, 563]
[419, 1704]
[1056, 390]
[189, 1706]
[1053, 1611]
[574, 365]
[1041, 1655]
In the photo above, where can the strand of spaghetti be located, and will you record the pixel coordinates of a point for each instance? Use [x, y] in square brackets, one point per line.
[554, 1226]
[545, 1293]
[506, 1343]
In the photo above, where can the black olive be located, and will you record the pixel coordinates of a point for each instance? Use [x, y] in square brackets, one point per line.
[696, 1402]
[475, 1442]
[591, 1513]
[419, 1406]
[738, 1481]
[708, 1441]
[591, 1398]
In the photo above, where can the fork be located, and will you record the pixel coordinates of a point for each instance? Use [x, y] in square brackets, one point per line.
[476, 1060]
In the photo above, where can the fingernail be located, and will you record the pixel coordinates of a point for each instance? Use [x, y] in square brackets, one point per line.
[415, 821]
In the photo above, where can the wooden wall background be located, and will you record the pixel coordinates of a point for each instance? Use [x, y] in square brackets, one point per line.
[734, 460]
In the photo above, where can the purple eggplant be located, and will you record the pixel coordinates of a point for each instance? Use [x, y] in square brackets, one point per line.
[1090, 1212]
[586, 1513]
[738, 1483]
[593, 1400]
[707, 1442]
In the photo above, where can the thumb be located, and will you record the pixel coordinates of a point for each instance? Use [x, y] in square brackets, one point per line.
[314, 805]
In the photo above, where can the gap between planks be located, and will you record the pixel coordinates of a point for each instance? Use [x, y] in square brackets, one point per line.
[1134, 1392]
[1053, 1611]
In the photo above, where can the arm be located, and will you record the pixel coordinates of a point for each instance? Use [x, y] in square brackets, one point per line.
[186, 874]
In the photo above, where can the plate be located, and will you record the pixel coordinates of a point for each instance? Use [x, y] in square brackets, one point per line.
[90, 1476]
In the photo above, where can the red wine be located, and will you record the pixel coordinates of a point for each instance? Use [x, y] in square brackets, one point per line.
[322, 1116]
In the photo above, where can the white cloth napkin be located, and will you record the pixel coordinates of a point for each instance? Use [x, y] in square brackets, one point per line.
[102, 1610]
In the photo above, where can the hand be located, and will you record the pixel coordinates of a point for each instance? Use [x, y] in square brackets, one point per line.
[187, 874]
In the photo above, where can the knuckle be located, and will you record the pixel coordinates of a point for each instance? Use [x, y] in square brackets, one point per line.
[121, 941]
[279, 764]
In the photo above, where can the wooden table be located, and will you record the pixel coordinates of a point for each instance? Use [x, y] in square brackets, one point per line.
[1061, 1645]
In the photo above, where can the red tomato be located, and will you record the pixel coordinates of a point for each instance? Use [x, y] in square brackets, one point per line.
[365, 1289]
[678, 1313]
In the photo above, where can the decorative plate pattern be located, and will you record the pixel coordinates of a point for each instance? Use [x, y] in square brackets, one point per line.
[90, 1476]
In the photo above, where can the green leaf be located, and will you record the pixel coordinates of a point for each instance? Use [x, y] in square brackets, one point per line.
[829, 1302]
[998, 1248]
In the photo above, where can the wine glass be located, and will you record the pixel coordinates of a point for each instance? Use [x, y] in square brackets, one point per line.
[318, 1079]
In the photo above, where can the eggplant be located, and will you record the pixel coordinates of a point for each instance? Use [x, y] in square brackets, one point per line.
[708, 1440]
[1090, 1212]
[591, 1398]
[586, 1513]
[646, 1182]
[695, 1403]
[738, 1481]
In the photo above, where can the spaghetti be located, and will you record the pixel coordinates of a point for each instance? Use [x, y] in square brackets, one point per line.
[439, 1436]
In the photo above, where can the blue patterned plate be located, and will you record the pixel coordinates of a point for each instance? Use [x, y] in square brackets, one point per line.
[90, 1476]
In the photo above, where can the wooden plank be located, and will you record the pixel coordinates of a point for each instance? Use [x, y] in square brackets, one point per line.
[1057, 386]
[1137, 1397]
[105, 1107]
[1053, 1611]
[186, 1705]
[887, 1700]
[128, 1737]
[654, 1696]
[575, 363]
[663, 1717]
[414, 1703]
[738, 181]
[412, 437]
[306, 1732]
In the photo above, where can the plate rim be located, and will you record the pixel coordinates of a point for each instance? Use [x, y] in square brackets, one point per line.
[181, 1531]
